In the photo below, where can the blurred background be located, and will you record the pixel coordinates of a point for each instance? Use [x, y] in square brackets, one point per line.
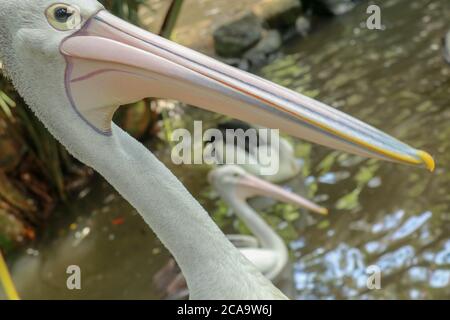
[55, 212]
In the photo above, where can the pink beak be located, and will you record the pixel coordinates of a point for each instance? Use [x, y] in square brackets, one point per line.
[250, 186]
[111, 63]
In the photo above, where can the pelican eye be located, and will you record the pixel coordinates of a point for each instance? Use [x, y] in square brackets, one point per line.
[63, 17]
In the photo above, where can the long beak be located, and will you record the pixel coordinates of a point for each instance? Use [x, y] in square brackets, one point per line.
[250, 186]
[111, 63]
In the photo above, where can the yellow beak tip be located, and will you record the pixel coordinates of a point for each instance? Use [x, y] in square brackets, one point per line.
[324, 211]
[427, 159]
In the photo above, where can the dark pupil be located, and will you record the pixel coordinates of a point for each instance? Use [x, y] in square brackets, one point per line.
[62, 15]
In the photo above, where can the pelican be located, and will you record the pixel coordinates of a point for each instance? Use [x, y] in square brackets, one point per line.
[75, 64]
[288, 165]
[236, 186]
[267, 250]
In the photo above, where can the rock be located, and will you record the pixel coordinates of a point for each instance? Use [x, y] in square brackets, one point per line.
[266, 47]
[303, 26]
[330, 7]
[279, 14]
[234, 39]
[447, 47]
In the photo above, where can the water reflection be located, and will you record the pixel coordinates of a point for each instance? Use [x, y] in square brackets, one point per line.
[387, 215]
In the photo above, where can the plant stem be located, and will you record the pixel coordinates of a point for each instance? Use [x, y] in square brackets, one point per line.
[171, 19]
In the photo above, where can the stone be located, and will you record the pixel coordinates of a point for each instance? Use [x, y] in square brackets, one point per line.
[266, 47]
[303, 26]
[278, 14]
[235, 38]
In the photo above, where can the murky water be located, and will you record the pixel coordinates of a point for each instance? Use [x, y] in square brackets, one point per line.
[383, 214]
[391, 216]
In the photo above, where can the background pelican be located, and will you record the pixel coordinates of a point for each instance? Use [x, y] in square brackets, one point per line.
[288, 166]
[75, 64]
[236, 186]
[267, 251]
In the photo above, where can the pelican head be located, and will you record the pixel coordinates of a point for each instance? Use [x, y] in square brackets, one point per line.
[234, 183]
[75, 64]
